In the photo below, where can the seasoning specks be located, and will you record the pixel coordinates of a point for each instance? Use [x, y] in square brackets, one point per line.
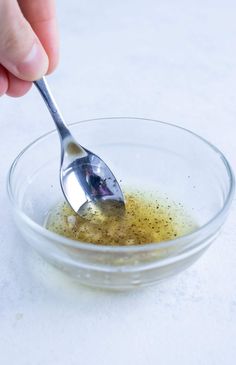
[146, 220]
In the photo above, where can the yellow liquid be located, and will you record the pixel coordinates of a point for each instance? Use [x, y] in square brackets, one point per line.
[146, 220]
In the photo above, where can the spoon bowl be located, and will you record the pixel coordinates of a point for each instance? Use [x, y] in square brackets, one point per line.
[88, 182]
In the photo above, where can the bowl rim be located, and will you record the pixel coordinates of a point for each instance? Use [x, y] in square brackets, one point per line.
[204, 229]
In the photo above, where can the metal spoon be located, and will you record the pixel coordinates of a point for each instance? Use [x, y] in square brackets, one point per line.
[85, 179]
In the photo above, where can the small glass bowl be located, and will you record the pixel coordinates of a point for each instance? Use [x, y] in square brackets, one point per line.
[145, 154]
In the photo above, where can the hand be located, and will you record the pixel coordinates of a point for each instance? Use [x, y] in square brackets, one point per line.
[28, 43]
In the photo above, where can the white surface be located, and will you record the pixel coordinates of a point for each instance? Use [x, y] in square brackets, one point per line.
[168, 60]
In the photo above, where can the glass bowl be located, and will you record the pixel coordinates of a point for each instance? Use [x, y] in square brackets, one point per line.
[145, 154]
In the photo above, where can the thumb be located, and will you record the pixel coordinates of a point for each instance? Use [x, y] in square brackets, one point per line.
[21, 52]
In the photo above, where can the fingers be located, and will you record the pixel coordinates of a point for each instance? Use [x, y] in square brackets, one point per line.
[11, 85]
[41, 15]
[3, 81]
[21, 52]
[17, 87]
[28, 43]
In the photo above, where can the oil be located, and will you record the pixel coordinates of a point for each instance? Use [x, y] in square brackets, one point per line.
[147, 219]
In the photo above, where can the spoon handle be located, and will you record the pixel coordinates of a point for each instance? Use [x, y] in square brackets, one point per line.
[44, 90]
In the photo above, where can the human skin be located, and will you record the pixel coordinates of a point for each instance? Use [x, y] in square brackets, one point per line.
[28, 43]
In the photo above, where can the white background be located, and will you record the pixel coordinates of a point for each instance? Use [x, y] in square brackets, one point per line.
[168, 60]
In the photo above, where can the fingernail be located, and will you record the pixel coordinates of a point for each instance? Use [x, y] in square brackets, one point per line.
[34, 65]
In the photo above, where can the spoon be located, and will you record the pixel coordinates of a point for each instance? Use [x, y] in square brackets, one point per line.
[86, 181]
